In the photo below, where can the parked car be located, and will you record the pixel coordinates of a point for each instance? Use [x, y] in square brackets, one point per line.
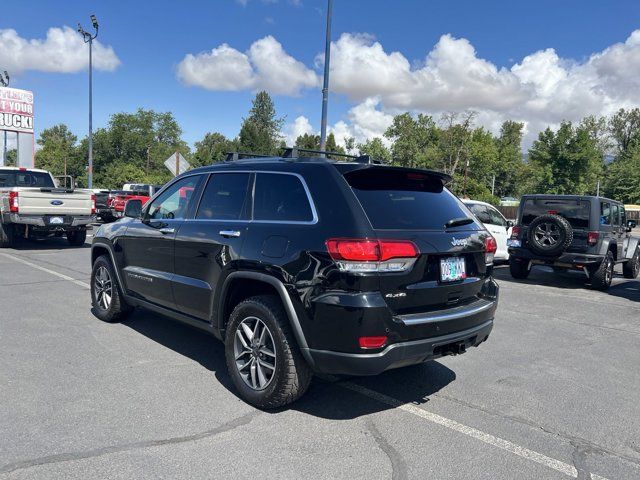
[568, 232]
[495, 222]
[31, 206]
[303, 265]
[118, 199]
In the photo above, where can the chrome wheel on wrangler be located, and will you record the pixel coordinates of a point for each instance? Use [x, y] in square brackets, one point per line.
[103, 288]
[255, 354]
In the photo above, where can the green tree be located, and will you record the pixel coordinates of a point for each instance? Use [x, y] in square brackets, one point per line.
[509, 166]
[624, 127]
[260, 131]
[569, 160]
[59, 152]
[12, 158]
[212, 148]
[622, 180]
[414, 140]
[455, 140]
[376, 149]
[309, 141]
[144, 139]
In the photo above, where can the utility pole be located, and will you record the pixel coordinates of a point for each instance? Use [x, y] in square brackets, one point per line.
[325, 85]
[493, 185]
[4, 80]
[88, 38]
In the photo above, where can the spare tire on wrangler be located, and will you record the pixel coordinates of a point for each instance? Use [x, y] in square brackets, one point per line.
[550, 235]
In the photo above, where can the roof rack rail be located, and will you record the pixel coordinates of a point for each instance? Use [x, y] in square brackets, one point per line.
[233, 156]
[293, 152]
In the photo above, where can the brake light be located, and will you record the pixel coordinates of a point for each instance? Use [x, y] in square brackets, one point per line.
[366, 255]
[515, 232]
[93, 205]
[14, 203]
[490, 247]
[372, 342]
[592, 238]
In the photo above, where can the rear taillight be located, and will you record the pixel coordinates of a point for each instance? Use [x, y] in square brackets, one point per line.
[592, 238]
[490, 247]
[366, 255]
[515, 232]
[372, 342]
[14, 203]
[93, 204]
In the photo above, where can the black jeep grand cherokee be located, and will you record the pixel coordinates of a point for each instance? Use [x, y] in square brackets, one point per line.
[304, 265]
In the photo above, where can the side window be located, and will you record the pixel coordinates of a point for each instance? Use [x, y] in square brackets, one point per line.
[224, 197]
[615, 213]
[175, 201]
[605, 213]
[623, 216]
[496, 217]
[481, 212]
[282, 198]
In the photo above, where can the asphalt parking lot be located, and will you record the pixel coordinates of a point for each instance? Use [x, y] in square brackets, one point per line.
[554, 393]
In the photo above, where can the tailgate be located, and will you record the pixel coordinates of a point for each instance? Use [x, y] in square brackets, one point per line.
[35, 201]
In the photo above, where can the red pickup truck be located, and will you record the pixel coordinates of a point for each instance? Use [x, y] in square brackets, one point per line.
[118, 199]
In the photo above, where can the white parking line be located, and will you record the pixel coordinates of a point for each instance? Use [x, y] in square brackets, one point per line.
[501, 443]
[52, 272]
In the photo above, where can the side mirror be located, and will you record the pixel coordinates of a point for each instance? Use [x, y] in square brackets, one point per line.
[631, 224]
[133, 208]
[510, 223]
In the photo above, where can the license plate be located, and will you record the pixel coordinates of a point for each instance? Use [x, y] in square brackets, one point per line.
[513, 243]
[452, 269]
[56, 220]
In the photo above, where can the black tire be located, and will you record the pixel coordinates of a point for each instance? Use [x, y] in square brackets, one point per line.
[7, 235]
[291, 376]
[76, 238]
[117, 308]
[602, 276]
[631, 268]
[549, 235]
[519, 268]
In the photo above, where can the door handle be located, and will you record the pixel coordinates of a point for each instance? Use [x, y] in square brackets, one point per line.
[230, 233]
[167, 230]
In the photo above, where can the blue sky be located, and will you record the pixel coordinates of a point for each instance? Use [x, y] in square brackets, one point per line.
[479, 63]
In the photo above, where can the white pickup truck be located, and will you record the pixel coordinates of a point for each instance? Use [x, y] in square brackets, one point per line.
[32, 206]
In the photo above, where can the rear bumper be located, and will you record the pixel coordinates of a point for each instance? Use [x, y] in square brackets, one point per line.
[400, 354]
[566, 259]
[42, 220]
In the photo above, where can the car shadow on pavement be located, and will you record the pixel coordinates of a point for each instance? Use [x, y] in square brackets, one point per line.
[47, 244]
[327, 397]
[621, 287]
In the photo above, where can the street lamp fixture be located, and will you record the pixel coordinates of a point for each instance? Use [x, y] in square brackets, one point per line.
[88, 38]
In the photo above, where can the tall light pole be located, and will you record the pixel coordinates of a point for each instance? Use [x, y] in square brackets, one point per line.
[88, 38]
[4, 80]
[325, 85]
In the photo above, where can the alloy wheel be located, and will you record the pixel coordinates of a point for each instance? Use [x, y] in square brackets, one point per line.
[254, 353]
[103, 288]
[547, 234]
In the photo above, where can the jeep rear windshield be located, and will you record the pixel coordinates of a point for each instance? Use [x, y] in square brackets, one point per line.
[575, 211]
[396, 199]
[25, 178]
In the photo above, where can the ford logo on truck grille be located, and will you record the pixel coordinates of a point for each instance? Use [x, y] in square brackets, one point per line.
[57, 202]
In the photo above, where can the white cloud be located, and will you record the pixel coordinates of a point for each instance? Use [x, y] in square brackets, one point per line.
[300, 126]
[63, 51]
[541, 89]
[264, 66]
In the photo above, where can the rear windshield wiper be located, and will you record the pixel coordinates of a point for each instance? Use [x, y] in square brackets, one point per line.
[457, 222]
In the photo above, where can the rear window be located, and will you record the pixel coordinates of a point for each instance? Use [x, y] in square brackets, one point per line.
[281, 198]
[18, 178]
[405, 200]
[575, 211]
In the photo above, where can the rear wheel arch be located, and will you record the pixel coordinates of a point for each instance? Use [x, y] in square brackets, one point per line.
[233, 292]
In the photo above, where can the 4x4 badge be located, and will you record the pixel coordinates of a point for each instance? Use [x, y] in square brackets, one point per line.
[459, 242]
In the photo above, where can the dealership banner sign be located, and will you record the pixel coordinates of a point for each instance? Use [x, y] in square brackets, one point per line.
[16, 110]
